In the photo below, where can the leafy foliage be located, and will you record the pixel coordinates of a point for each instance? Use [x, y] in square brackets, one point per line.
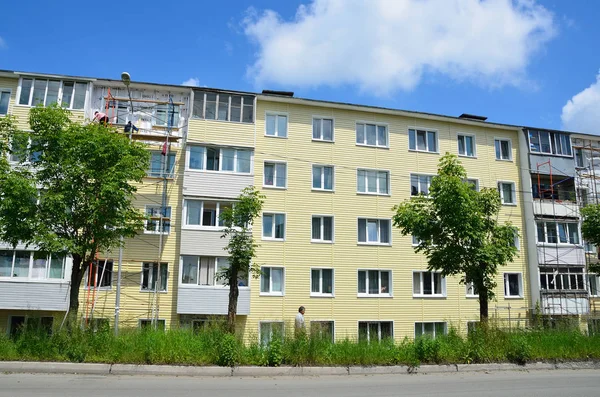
[458, 230]
[241, 247]
[72, 188]
[590, 229]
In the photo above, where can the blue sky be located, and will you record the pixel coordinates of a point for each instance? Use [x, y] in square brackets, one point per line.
[517, 62]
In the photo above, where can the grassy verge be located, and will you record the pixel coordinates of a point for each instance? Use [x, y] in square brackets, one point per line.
[215, 347]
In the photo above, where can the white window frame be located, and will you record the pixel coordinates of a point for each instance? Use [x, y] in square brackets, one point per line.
[230, 95]
[4, 90]
[157, 220]
[510, 156]
[322, 294]
[563, 273]
[321, 118]
[185, 223]
[422, 324]
[421, 293]
[46, 278]
[324, 321]
[378, 242]
[376, 124]
[322, 188]
[215, 283]
[260, 336]
[470, 289]
[366, 182]
[474, 181]
[513, 189]
[464, 134]
[275, 174]
[98, 275]
[60, 91]
[596, 278]
[388, 294]
[322, 228]
[273, 238]
[378, 329]
[149, 321]
[505, 279]
[170, 173]
[546, 242]
[277, 115]
[419, 175]
[220, 170]
[554, 138]
[150, 277]
[271, 292]
[426, 131]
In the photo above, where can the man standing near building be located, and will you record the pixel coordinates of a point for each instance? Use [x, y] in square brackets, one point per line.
[300, 330]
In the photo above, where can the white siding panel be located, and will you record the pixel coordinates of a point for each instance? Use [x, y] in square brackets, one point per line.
[210, 301]
[202, 242]
[215, 184]
[34, 296]
[570, 255]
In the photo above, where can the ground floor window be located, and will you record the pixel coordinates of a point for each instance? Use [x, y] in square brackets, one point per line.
[18, 324]
[432, 329]
[322, 329]
[147, 323]
[594, 326]
[270, 330]
[96, 324]
[374, 330]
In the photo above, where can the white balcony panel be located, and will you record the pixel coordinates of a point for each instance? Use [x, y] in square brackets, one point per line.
[564, 304]
[562, 255]
[210, 300]
[34, 295]
[215, 184]
[558, 209]
[203, 242]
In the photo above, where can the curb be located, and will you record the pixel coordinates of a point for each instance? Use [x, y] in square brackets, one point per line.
[250, 371]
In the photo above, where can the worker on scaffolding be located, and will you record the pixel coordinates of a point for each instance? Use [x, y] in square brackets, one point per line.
[130, 127]
[102, 118]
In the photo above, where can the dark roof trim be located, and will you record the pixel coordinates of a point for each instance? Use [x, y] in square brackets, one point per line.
[280, 93]
[472, 117]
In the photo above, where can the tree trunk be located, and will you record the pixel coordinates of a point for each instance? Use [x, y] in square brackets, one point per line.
[76, 276]
[483, 304]
[234, 293]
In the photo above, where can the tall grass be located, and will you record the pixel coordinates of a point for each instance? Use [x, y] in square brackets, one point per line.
[213, 346]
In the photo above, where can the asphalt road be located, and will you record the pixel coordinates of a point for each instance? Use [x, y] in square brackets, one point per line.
[536, 383]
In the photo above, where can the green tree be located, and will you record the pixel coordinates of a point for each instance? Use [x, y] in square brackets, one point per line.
[590, 228]
[241, 247]
[458, 230]
[72, 189]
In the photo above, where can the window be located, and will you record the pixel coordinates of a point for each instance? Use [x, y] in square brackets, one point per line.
[579, 158]
[374, 231]
[321, 282]
[471, 289]
[40, 324]
[271, 280]
[474, 183]
[557, 232]
[322, 229]
[16, 325]
[593, 326]
[322, 177]
[422, 140]
[150, 276]
[275, 174]
[549, 142]
[371, 135]
[146, 324]
[4, 99]
[322, 129]
[503, 149]
[373, 181]
[276, 125]
[166, 115]
[204, 213]
[513, 285]
[431, 330]
[323, 330]
[156, 165]
[273, 226]
[153, 226]
[428, 284]
[562, 278]
[31, 264]
[374, 283]
[594, 284]
[507, 193]
[239, 108]
[419, 184]
[69, 94]
[270, 330]
[101, 276]
[219, 159]
[202, 270]
[466, 145]
[374, 331]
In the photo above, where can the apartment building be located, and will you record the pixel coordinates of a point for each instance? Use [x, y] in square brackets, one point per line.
[331, 173]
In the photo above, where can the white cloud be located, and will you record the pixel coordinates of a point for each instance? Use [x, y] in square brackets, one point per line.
[3, 44]
[192, 82]
[386, 45]
[582, 112]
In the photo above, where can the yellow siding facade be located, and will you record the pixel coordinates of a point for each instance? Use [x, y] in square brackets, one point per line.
[346, 256]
